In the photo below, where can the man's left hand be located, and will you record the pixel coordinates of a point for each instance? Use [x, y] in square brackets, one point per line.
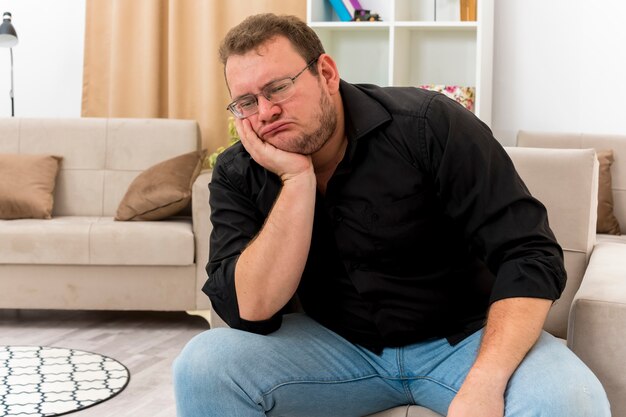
[513, 327]
[477, 399]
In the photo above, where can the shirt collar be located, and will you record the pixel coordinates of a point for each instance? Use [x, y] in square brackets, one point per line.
[362, 112]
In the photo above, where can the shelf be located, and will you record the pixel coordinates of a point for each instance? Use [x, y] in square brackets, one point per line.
[402, 24]
[414, 45]
[351, 25]
[438, 25]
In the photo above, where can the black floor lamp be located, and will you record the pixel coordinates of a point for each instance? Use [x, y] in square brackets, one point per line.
[8, 39]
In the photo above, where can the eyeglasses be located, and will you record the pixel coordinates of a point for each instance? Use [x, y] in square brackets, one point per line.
[275, 92]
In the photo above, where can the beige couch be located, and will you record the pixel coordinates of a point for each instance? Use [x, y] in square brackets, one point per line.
[597, 324]
[82, 258]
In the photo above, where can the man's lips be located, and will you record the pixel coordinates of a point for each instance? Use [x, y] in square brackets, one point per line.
[273, 129]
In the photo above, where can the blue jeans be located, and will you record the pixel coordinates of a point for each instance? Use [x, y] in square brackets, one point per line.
[306, 370]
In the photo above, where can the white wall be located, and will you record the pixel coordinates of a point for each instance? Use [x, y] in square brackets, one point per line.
[603, 67]
[48, 60]
[558, 64]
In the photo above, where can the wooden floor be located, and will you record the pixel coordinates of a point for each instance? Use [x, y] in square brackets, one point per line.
[145, 342]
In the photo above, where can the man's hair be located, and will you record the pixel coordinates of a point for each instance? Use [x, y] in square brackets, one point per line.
[258, 29]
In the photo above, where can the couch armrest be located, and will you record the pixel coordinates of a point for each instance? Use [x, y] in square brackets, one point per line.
[598, 319]
[201, 212]
[566, 182]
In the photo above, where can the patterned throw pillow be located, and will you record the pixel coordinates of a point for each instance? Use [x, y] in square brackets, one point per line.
[461, 94]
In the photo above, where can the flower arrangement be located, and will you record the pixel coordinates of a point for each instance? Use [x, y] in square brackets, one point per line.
[233, 137]
[461, 94]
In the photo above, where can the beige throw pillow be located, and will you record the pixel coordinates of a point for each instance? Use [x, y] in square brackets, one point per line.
[27, 185]
[607, 222]
[162, 190]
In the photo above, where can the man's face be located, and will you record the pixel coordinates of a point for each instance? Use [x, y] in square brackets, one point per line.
[304, 122]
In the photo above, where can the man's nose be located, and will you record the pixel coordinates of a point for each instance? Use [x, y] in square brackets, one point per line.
[267, 109]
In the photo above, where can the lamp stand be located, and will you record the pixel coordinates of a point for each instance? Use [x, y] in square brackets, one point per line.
[11, 91]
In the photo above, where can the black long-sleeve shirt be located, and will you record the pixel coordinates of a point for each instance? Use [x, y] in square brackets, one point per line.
[424, 223]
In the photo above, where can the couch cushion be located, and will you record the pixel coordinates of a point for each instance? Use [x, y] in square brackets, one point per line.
[79, 192]
[162, 190]
[96, 241]
[168, 242]
[61, 240]
[606, 238]
[137, 144]
[27, 185]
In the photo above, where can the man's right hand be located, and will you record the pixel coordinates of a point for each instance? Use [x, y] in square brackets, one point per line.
[263, 285]
[286, 165]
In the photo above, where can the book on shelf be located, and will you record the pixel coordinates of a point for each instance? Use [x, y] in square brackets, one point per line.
[340, 10]
[468, 10]
[352, 6]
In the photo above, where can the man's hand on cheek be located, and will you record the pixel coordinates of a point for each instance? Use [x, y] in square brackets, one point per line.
[286, 165]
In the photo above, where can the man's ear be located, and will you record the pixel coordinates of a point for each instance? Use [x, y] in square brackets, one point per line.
[327, 69]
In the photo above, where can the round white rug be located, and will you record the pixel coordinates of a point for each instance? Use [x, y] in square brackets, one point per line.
[48, 381]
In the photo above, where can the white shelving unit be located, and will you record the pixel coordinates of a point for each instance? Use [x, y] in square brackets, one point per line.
[409, 47]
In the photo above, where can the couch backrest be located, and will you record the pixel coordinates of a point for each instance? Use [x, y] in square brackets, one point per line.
[595, 141]
[566, 182]
[101, 156]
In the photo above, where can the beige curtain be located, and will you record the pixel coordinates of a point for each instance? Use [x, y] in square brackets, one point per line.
[158, 58]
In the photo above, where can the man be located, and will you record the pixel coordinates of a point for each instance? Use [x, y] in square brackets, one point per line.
[400, 224]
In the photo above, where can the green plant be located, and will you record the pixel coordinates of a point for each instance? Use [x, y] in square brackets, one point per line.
[233, 137]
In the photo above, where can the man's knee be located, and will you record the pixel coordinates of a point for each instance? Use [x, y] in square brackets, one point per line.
[208, 354]
[586, 398]
[571, 398]
[552, 381]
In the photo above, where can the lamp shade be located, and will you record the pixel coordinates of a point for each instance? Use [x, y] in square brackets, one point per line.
[8, 35]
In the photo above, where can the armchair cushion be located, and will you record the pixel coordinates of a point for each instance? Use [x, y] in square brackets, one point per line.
[27, 185]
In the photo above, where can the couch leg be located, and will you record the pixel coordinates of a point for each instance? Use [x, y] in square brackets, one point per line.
[210, 316]
[205, 314]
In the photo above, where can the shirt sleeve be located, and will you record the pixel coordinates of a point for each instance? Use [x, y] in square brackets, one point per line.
[484, 196]
[236, 221]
